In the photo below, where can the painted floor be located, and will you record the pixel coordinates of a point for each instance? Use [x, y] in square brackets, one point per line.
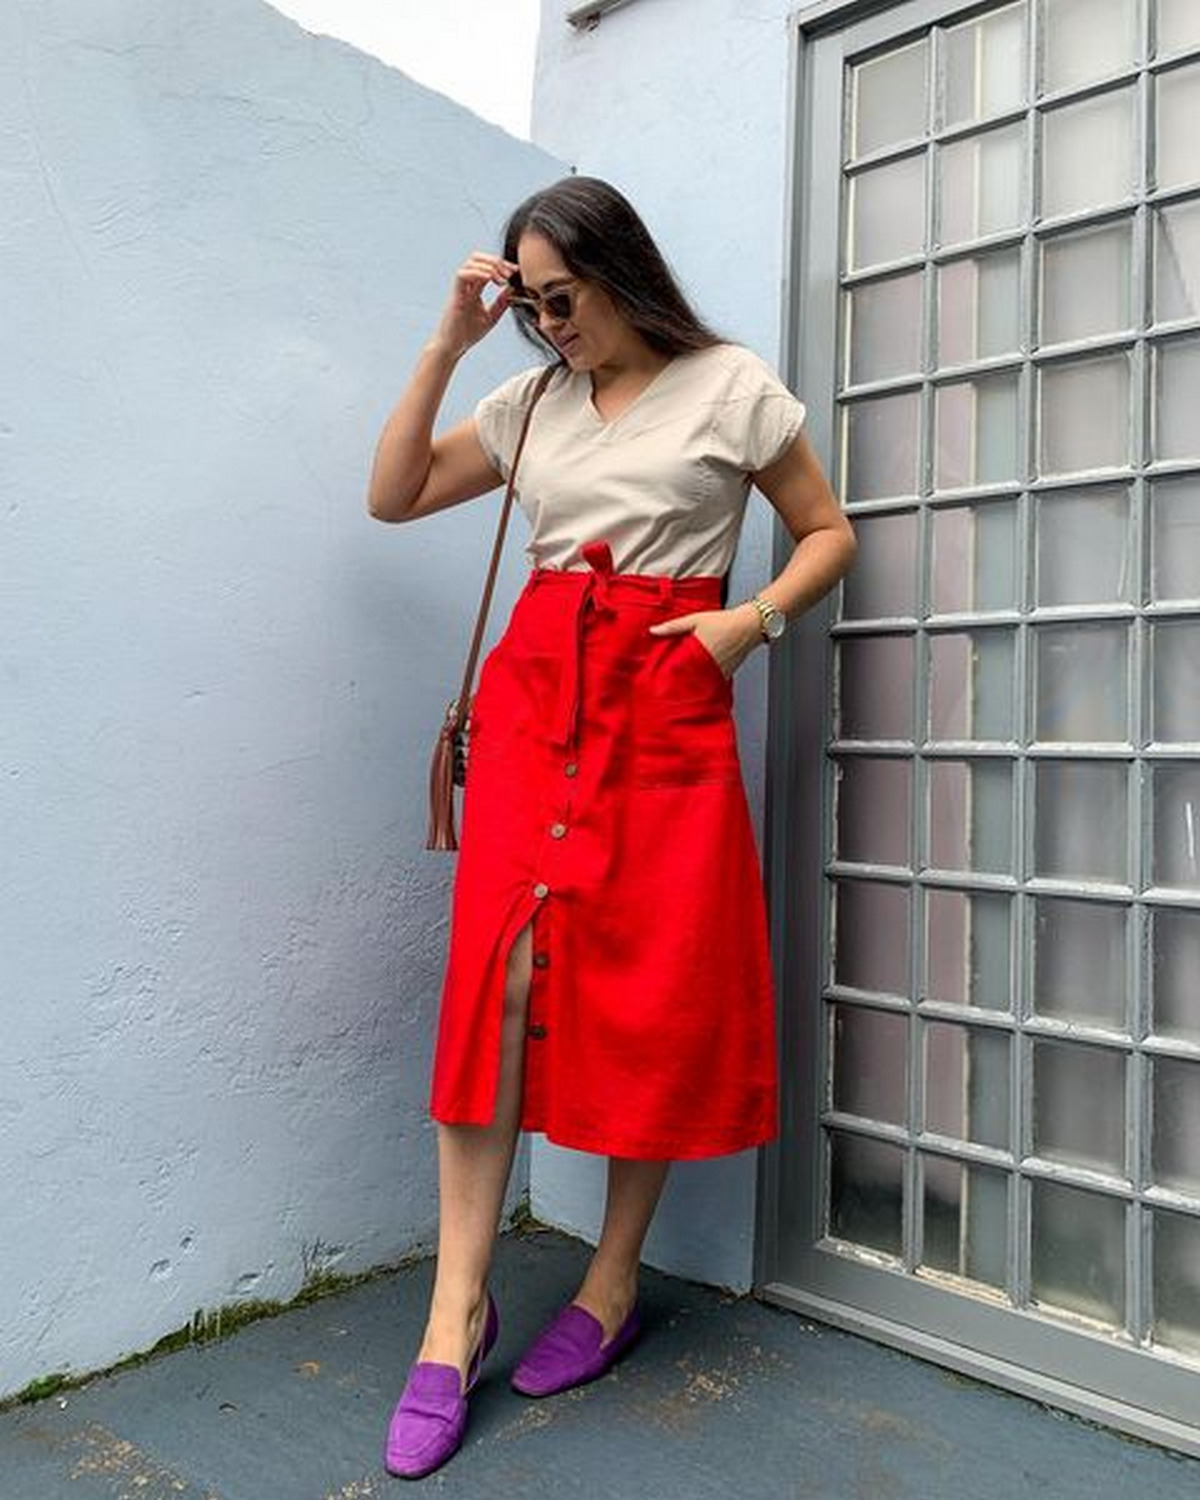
[723, 1398]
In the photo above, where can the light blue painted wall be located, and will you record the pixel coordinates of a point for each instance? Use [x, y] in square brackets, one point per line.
[684, 105]
[222, 242]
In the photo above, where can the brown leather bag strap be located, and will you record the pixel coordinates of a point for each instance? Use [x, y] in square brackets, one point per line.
[463, 703]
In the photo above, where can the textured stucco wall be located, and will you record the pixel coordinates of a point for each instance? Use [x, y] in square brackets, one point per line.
[684, 105]
[222, 242]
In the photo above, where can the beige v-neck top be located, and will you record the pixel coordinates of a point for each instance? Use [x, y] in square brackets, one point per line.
[665, 482]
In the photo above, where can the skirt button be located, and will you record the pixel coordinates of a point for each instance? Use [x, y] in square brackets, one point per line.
[541, 890]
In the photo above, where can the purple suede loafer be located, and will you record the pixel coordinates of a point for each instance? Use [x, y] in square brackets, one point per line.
[570, 1351]
[431, 1416]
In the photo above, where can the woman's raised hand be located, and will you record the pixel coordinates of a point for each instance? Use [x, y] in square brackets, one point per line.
[467, 317]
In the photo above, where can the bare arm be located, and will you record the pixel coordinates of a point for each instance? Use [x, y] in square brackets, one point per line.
[415, 474]
[825, 546]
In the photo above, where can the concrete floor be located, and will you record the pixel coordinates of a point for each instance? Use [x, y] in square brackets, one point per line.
[723, 1398]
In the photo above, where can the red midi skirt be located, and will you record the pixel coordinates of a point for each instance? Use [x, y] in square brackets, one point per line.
[604, 805]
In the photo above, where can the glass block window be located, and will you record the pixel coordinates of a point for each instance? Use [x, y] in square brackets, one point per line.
[1012, 997]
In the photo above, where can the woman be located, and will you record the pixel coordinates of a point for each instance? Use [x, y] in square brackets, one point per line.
[608, 980]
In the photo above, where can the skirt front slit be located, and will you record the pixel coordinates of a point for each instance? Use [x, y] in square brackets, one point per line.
[605, 806]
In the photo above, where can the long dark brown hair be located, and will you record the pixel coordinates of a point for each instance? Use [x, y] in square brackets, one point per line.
[602, 239]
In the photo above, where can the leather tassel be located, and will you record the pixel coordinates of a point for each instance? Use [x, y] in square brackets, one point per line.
[442, 835]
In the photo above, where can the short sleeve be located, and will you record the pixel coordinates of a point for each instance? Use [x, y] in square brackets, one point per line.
[499, 415]
[763, 418]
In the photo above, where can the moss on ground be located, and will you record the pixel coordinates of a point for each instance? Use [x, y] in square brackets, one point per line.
[207, 1325]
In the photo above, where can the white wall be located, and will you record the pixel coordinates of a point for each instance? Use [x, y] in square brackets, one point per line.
[480, 54]
[683, 104]
[222, 243]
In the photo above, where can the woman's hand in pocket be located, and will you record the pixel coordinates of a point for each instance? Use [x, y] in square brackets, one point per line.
[728, 635]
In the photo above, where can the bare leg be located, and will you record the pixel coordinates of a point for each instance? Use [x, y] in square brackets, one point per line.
[609, 1289]
[474, 1162]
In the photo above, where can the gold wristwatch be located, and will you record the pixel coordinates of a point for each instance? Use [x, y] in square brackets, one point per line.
[771, 619]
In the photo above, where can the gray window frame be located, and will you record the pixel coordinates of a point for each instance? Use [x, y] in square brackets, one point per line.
[1123, 1386]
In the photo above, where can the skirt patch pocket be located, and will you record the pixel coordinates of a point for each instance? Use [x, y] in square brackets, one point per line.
[684, 726]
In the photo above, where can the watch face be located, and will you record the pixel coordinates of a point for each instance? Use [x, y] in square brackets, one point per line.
[776, 624]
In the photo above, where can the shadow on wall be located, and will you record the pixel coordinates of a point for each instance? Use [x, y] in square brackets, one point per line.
[223, 242]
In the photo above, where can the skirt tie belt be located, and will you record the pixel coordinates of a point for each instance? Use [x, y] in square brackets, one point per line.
[593, 595]
[598, 592]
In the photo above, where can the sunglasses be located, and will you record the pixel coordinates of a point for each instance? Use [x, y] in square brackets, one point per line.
[558, 305]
